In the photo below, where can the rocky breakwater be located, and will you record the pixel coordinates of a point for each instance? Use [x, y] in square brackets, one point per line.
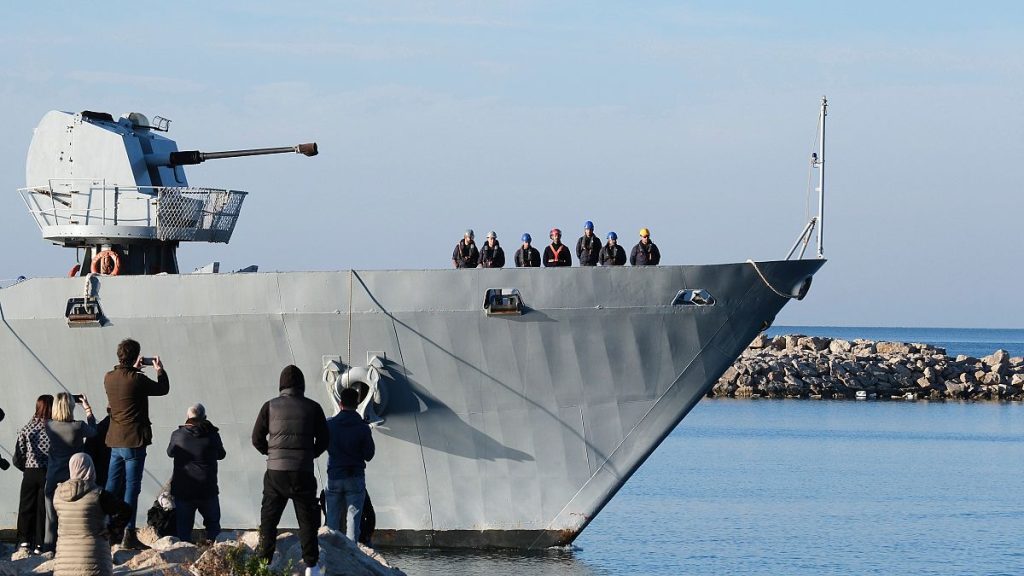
[797, 366]
[232, 555]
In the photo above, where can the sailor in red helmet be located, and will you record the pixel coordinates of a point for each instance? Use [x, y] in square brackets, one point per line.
[556, 253]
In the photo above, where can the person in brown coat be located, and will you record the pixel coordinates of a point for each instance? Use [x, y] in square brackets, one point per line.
[128, 391]
[84, 533]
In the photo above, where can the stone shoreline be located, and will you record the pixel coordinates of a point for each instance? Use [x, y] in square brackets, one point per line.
[797, 366]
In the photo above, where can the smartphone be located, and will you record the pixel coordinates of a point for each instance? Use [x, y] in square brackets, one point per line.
[78, 398]
[146, 361]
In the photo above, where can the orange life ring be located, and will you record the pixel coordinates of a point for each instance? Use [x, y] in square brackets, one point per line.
[74, 270]
[99, 263]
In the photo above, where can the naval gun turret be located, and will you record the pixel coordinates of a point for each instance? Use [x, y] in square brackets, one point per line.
[117, 190]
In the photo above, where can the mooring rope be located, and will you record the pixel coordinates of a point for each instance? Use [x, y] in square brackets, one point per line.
[767, 283]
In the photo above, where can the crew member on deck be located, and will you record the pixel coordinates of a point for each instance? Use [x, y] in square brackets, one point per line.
[556, 253]
[466, 254]
[527, 256]
[645, 253]
[588, 247]
[492, 255]
[612, 254]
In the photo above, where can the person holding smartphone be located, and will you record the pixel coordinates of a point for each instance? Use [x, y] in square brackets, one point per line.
[128, 391]
[67, 437]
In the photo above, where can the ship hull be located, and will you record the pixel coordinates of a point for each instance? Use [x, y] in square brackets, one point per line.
[499, 431]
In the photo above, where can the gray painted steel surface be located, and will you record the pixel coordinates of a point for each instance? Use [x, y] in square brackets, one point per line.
[499, 430]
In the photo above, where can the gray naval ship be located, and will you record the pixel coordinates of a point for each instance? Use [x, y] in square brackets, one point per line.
[509, 405]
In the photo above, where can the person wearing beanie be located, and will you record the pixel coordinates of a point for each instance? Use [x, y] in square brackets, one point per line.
[291, 431]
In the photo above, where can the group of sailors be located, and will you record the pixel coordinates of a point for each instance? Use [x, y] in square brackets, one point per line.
[589, 251]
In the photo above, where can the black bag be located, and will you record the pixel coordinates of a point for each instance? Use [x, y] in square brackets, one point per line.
[163, 521]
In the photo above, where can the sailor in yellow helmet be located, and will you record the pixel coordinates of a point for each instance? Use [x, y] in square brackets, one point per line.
[645, 253]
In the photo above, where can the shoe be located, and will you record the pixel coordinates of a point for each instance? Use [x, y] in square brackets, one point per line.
[131, 541]
[24, 546]
[313, 571]
[37, 551]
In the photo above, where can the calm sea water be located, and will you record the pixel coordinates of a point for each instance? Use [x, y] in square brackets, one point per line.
[808, 487]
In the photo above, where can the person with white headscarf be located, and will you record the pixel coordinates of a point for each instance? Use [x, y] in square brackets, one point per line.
[90, 519]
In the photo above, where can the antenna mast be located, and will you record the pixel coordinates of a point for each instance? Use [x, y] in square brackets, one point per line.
[820, 164]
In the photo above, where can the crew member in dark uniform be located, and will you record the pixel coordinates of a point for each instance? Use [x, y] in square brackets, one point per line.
[612, 254]
[645, 253]
[588, 247]
[466, 255]
[527, 256]
[556, 253]
[492, 255]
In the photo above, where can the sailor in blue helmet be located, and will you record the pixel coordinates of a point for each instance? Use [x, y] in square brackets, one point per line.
[588, 247]
[466, 254]
[556, 253]
[491, 254]
[527, 256]
[612, 254]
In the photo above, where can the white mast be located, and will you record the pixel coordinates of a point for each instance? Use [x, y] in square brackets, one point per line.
[821, 177]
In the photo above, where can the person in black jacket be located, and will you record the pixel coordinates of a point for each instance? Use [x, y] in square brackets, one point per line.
[645, 253]
[351, 448]
[612, 254]
[527, 256]
[492, 255]
[556, 253]
[466, 254]
[291, 430]
[196, 447]
[588, 247]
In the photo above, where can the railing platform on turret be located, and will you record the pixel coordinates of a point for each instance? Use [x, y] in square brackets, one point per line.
[83, 212]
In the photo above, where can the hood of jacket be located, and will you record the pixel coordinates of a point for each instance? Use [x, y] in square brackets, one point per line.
[198, 428]
[72, 490]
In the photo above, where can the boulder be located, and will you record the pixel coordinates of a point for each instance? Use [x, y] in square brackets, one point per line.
[891, 348]
[169, 553]
[43, 563]
[338, 555]
[840, 346]
[1017, 380]
[997, 358]
[760, 341]
[217, 559]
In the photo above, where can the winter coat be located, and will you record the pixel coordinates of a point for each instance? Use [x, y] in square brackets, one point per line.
[588, 250]
[492, 256]
[351, 443]
[645, 255]
[557, 256]
[33, 443]
[297, 430]
[613, 255]
[83, 545]
[128, 391]
[66, 440]
[527, 257]
[465, 256]
[195, 447]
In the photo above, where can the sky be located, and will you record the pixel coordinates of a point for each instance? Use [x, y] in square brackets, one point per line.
[694, 119]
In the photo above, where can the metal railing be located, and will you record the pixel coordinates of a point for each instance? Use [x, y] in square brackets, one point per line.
[83, 208]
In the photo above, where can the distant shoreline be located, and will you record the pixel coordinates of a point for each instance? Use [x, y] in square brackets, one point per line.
[801, 366]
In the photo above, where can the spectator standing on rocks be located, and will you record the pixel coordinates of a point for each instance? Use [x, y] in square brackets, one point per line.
[31, 452]
[67, 437]
[97, 449]
[85, 532]
[291, 430]
[351, 448]
[196, 447]
[128, 391]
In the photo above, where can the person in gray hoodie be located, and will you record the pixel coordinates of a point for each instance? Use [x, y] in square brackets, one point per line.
[350, 449]
[291, 430]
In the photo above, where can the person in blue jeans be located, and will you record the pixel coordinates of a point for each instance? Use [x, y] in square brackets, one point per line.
[196, 447]
[351, 447]
[128, 391]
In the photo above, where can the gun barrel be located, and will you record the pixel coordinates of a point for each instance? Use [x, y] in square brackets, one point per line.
[188, 157]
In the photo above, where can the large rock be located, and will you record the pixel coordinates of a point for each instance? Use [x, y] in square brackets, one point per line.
[339, 556]
[217, 559]
[999, 358]
[168, 553]
[42, 564]
[840, 346]
[760, 341]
